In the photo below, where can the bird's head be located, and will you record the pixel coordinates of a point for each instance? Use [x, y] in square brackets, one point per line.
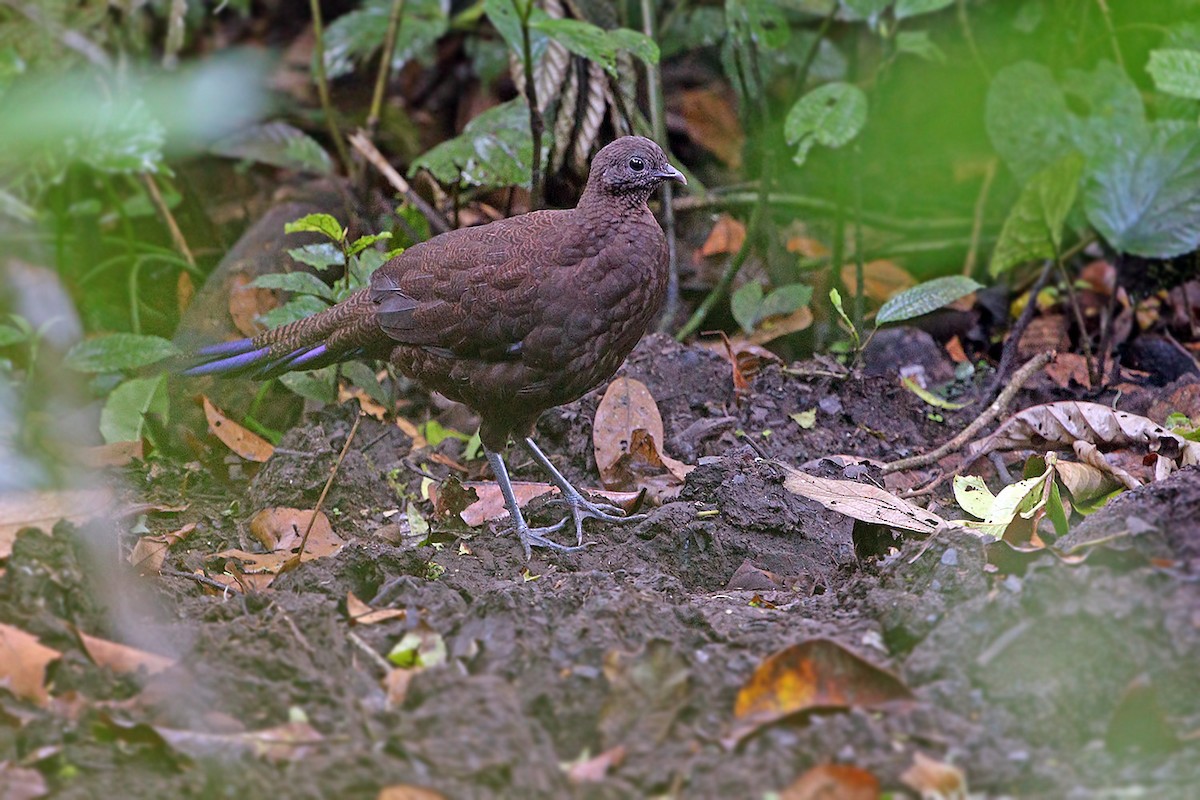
[631, 165]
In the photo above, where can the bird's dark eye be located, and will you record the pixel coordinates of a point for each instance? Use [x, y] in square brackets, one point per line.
[636, 164]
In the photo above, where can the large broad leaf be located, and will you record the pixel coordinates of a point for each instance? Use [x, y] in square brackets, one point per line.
[1033, 230]
[1027, 118]
[865, 9]
[297, 282]
[592, 42]
[1176, 72]
[831, 115]
[277, 144]
[1146, 200]
[119, 351]
[358, 35]
[505, 16]
[926, 297]
[911, 8]
[124, 414]
[495, 149]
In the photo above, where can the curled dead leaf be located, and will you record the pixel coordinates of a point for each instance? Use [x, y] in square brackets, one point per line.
[727, 236]
[123, 658]
[833, 782]
[246, 444]
[23, 662]
[627, 436]
[150, 552]
[934, 780]
[362, 614]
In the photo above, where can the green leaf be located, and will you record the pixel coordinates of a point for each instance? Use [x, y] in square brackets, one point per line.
[919, 44]
[505, 16]
[435, 433]
[119, 351]
[297, 282]
[1033, 230]
[926, 297]
[124, 414]
[581, 38]
[745, 304]
[315, 385]
[277, 144]
[358, 35]
[831, 115]
[320, 256]
[1176, 72]
[10, 335]
[323, 224]
[1027, 118]
[784, 300]
[364, 378]
[363, 242]
[299, 307]
[866, 9]
[929, 397]
[495, 149]
[1146, 200]
[912, 8]
[636, 43]
[361, 267]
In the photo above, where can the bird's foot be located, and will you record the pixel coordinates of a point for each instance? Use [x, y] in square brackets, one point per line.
[539, 537]
[581, 508]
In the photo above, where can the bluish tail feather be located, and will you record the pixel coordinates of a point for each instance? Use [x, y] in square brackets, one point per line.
[234, 363]
[236, 347]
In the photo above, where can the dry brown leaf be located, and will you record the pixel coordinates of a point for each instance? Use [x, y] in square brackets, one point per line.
[362, 614]
[833, 782]
[23, 662]
[185, 290]
[21, 783]
[450, 498]
[774, 327]
[490, 505]
[815, 674]
[955, 350]
[882, 279]
[43, 509]
[150, 552]
[395, 684]
[1072, 367]
[406, 792]
[727, 236]
[115, 454]
[412, 432]
[596, 768]
[1047, 332]
[246, 444]
[290, 742]
[368, 404]
[247, 303]
[809, 248]
[1062, 425]
[626, 408]
[934, 780]
[862, 501]
[281, 529]
[122, 658]
[1085, 481]
[713, 123]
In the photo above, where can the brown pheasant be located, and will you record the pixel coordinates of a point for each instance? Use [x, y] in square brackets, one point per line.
[509, 318]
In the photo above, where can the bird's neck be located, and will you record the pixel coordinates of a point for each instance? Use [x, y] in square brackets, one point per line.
[597, 200]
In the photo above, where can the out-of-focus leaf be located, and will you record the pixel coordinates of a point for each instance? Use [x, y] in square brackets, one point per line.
[1146, 200]
[23, 662]
[298, 282]
[119, 351]
[324, 224]
[912, 8]
[926, 297]
[750, 306]
[745, 303]
[299, 307]
[278, 144]
[919, 44]
[1176, 72]
[358, 35]
[1033, 230]
[1027, 118]
[320, 256]
[124, 414]
[831, 115]
[866, 9]
[495, 149]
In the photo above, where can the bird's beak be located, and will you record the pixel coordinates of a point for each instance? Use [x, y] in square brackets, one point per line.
[669, 173]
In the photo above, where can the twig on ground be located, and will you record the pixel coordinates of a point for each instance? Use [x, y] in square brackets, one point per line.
[376, 659]
[168, 218]
[1018, 330]
[1019, 378]
[324, 491]
[204, 580]
[437, 223]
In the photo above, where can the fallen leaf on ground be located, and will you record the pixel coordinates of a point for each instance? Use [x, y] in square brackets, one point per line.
[246, 444]
[712, 123]
[727, 236]
[395, 685]
[43, 509]
[772, 328]
[114, 454]
[596, 768]
[281, 529]
[815, 674]
[881, 279]
[369, 405]
[150, 552]
[21, 783]
[412, 432]
[247, 303]
[807, 247]
[405, 792]
[123, 658]
[290, 742]
[625, 458]
[451, 498]
[1072, 367]
[862, 501]
[362, 614]
[935, 780]
[955, 350]
[833, 782]
[23, 662]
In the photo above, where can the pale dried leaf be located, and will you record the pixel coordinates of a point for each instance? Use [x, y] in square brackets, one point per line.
[43, 509]
[123, 658]
[246, 444]
[406, 792]
[23, 662]
[281, 529]
[114, 454]
[863, 501]
[490, 505]
[362, 614]
[150, 552]
[21, 783]
[935, 780]
[596, 768]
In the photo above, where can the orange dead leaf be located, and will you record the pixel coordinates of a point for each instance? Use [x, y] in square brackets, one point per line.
[150, 552]
[933, 778]
[833, 782]
[956, 352]
[412, 432]
[23, 662]
[246, 444]
[597, 767]
[405, 792]
[713, 123]
[881, 279]
[123, 658]
[727, 236]
[247, 303]
[626, 408]
[362, 614]
[774, 327]
[185, 290]
[368, 404]
[1100, 276]
[809, 248]
[281, 529]
[115, 454]
[815, 674]
[395, 684]
[43, 509]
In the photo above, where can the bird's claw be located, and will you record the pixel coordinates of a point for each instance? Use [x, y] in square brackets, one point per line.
[539, 537]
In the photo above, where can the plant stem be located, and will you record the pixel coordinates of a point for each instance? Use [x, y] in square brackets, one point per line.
[658, 124]
[323, 86]
[1112, 33]
[385, 66]
[536, 123]
[731, 270]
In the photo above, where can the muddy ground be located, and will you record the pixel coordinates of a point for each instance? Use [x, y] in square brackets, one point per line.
[1035, 677]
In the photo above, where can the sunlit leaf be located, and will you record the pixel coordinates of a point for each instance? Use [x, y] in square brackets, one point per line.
[124, 414]
[1176, 72]
[298, 282]
[119, 351]
[324, 224]
[495, 149]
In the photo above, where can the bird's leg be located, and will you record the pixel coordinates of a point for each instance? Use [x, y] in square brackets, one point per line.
[581, 508]
[530, 537]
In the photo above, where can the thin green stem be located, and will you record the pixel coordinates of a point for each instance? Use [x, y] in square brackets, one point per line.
[335, 133]
[536, 123]
[658, 124]
[395, 17]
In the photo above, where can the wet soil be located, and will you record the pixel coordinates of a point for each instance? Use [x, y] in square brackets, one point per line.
[1037, 676]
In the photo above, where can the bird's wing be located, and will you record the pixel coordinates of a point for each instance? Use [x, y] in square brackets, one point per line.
[472, 292]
